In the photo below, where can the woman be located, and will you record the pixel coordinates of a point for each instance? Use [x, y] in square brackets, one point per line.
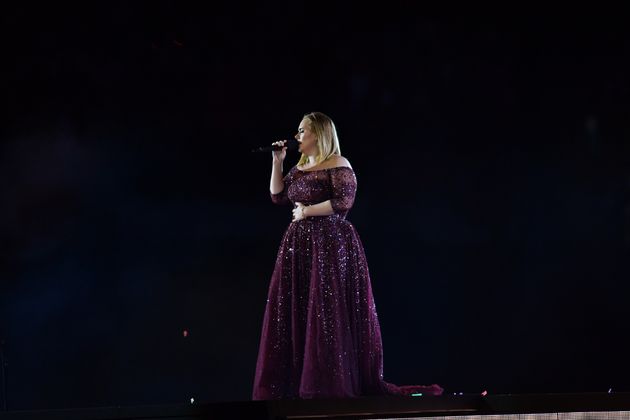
[320, 337]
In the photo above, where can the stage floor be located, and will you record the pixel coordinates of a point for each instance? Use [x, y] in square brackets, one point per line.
[513, 407]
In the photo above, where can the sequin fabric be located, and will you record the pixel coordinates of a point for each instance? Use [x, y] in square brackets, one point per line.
[321, 336]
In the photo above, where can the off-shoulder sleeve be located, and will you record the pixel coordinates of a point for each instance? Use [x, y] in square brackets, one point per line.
[344, 188]
[282, 198]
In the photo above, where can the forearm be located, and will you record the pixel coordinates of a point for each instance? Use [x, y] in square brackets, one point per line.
[320, 209]
[276, 184]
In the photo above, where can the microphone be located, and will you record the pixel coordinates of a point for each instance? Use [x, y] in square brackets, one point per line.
[291, 144]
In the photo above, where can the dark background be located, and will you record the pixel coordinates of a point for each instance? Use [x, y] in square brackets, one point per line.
[493, 181]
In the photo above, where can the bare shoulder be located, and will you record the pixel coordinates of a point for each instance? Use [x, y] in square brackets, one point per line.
[339, 161]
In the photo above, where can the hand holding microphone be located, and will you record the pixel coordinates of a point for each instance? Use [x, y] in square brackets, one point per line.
[279, 152]
[279, 149]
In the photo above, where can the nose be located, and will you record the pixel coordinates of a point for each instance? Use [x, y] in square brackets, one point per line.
[297, 136]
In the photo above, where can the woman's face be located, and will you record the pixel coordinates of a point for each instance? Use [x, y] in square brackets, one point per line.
[307, 139]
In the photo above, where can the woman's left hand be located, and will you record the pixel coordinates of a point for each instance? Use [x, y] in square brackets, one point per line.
[298, 212]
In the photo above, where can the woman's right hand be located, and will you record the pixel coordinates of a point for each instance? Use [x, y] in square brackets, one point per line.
[278, 157]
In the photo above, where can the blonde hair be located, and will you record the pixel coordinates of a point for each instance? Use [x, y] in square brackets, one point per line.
[326, 135]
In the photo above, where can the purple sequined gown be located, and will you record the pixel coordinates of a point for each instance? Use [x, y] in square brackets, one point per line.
[320, 335]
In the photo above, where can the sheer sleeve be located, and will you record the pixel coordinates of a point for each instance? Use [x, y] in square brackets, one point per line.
[282, 199]
[344, 187]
